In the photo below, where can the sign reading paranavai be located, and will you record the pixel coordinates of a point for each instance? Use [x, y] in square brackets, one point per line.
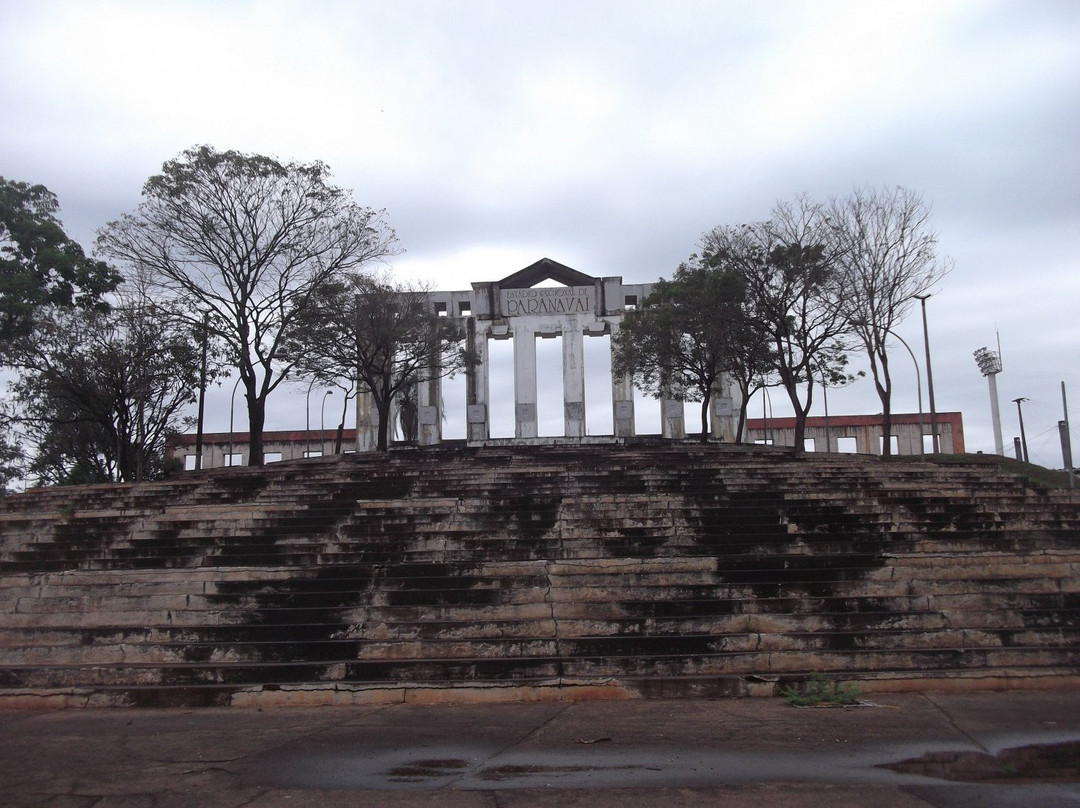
[553, 300]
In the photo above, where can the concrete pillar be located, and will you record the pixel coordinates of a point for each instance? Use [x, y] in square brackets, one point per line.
[476, 384]
[573, 371]
[725, 410]
[367, 422]
[429, 410]
[672, 417]
[524, 382]
[622, 397]
[673, 422]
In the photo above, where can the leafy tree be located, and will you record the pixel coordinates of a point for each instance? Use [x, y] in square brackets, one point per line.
[102, 391]
[12, 461]
[887, 256]
[686, 333]
[40, 266]
[793, 285]
[753, 361]
[384, 334]
[246, 243]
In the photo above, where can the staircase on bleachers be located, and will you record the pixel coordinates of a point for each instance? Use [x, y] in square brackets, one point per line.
[537, 572]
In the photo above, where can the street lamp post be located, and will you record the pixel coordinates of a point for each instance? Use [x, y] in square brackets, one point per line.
[322, 423]
[765, 397]
[307, 420]
[918, 388]
[232, 407]
[935, 439]
[825, 398]
[1023, 437]
[202, 392]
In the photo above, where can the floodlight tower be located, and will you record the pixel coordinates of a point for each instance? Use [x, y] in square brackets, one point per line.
[989, 363]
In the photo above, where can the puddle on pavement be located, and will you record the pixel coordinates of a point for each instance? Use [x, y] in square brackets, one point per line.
[418, 771]
[1053, 762]
[1032, 760]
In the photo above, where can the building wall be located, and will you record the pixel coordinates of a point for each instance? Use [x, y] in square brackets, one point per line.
[288, 445]
[861, 434]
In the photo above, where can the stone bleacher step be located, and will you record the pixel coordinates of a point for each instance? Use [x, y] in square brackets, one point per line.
[692, 567]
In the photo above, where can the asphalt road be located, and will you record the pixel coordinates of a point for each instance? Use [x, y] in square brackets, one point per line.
[991, 750]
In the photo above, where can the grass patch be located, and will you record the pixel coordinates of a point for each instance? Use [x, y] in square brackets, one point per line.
[1035, 474]
[820, 691]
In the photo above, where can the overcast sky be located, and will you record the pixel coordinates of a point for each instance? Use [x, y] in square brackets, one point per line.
[607, 136]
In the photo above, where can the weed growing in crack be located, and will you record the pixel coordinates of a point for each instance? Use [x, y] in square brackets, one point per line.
[820, 691]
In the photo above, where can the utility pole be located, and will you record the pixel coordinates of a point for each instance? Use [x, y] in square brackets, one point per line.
[935, 442]
[1066, 440]
[1023, 437]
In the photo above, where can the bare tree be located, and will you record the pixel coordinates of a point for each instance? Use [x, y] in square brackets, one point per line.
[887, 255]
[244, 242]
[792, 283]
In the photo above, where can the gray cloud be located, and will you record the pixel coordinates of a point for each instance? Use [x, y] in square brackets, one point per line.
[605, 135]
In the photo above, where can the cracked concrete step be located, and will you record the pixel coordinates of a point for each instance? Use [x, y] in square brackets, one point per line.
[856, 664]
[827, 572]
[344, 650]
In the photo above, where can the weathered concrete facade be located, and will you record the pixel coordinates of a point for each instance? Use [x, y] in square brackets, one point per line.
[853, 434]
[518, 308]
[862, 434]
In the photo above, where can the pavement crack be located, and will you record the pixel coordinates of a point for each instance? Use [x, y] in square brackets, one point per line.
[479, 767]
[541, 726]
[952, 722]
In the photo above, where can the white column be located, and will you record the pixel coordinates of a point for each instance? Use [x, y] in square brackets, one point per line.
[672, 417]
[429, 410]
[573, 368]
[725, 409]
[524, 382]
[622, 397]
[476, 385]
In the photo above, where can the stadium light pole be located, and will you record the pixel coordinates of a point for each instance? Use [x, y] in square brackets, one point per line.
[989, 363]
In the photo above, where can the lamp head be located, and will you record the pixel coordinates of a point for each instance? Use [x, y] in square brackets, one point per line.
[989, 362]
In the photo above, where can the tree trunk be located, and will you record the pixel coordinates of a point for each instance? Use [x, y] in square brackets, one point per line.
[800, 412]
[256, 419]
[883, 385]
[740, 430]
[341, 426]
[705, 417]
[886, 429]
[382, 404]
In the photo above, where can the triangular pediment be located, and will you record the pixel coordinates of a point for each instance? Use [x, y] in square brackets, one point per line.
[543, 270]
